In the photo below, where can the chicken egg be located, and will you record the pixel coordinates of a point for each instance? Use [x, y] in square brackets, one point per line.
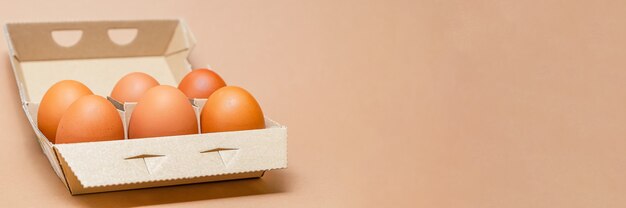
[55, 102]
[201, 83]
[162, 111]
[231, 109]
[132, 86]
[91, 118]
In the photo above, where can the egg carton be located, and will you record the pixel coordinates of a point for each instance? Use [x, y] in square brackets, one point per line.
[98, 53]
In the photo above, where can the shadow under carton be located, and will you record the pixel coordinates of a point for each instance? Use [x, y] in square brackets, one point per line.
[159, 48]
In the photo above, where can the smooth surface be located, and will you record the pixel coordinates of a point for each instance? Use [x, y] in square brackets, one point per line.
[55, 103]
[404, 103]
[90, 118]
[231, 108]
[132, 86]
[162, 111]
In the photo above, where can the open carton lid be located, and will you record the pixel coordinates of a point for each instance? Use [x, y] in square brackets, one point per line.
[159, 48]
[40, 59]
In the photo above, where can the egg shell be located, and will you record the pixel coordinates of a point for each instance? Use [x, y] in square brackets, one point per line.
[231, 108]
[55, 102]
[91, 118]
[162, 111]
[201, 83]
[132, 86]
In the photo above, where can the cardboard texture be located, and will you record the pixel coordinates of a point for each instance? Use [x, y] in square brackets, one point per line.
[93, 56]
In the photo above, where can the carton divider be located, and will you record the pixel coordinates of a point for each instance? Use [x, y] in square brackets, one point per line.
[117, 104]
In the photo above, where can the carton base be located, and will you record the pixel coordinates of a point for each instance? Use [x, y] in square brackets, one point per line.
[80, 190]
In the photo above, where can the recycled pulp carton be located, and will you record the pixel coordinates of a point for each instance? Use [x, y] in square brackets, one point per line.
[92, 55]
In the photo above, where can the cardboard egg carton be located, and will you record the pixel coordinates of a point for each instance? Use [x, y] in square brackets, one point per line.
[98, 54]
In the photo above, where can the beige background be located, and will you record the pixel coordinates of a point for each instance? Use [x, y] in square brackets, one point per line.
[404, 103]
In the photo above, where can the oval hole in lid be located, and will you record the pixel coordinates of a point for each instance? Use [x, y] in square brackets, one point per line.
[122, 36]
[67, 38]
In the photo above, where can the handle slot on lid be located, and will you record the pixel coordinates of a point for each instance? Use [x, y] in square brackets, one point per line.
[122, 36]
[67, 38]
[96, 39]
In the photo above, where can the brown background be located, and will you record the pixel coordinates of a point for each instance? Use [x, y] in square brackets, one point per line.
[403, 103]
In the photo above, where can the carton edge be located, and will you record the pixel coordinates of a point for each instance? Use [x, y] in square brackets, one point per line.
[59, 158]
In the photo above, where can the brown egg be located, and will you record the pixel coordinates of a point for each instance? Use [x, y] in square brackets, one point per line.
[132, 86]
[201, 83]
[162, 111]
[55, 102]
[90, 119]
[231, 109]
